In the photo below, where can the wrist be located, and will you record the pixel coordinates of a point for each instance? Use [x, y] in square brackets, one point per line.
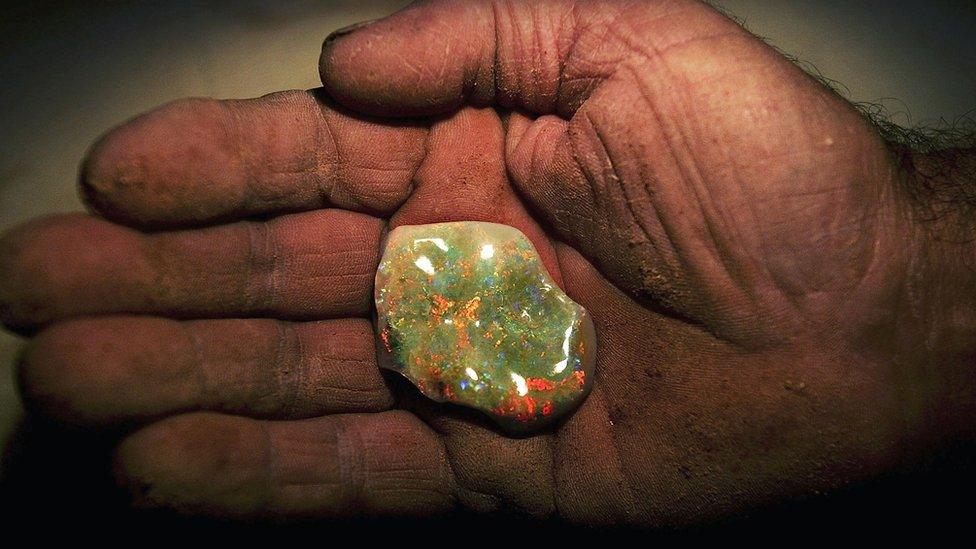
[937, 317]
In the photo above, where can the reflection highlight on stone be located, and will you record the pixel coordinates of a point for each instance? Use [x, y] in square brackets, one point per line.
[468, 313]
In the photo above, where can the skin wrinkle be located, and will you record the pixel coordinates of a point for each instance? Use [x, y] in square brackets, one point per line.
[668, 228]
[282, 483]
[548, 45]
[578, 56]
[730, 416]
[272, 468]
[274, 271]
[658, 53]
[576, 146]
[502, 12]
[318, 132]
[561, 30]
[575, 136]
[504, 94]
[867, 221]
[168, 271]
[560, 215]
[310, 166]
[586, 222]
[787, 288]
[362, 481]
[203, 378]
[628, 199]
[301, 481]
[435, 484]
[327, 173]
[533, 165]
[553, 443]
[792, 298]
[750, 204]
[327, 184]
[655, 50]
[452, 480]
[495, 57]
[875, 264]
[246, 166]
[693, 174]
[290, 375]
[574, 57]
[607, 164]
[594, 179]
[628, 482]
[536, 78]
[162, 285]
[353, 470]
[258, 243]
[155, 265]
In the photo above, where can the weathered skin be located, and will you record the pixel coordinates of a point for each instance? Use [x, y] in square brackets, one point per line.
[772, 318]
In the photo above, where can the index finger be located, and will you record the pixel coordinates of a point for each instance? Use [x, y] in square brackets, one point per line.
[198, 161]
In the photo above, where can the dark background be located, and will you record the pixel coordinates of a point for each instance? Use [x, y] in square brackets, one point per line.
[69, 70]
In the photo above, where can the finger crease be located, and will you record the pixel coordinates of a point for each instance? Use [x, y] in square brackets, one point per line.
[262, 269]
[200, 367]
[352, 465]
[326, 141]
[291, 372]
[247, 167]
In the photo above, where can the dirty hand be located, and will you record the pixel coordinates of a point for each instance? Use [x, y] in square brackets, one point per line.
[772, 317]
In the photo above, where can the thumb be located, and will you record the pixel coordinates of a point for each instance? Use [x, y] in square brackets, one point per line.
[674, 126]
[434, 56]
[544, 57]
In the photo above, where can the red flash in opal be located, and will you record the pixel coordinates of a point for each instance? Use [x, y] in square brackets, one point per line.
[468, 313]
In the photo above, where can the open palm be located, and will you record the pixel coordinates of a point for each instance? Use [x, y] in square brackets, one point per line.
[732, 226]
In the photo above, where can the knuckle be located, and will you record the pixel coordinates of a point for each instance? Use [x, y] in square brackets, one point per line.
[334, 369]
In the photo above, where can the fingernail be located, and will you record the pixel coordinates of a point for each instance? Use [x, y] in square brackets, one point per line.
[346, 30]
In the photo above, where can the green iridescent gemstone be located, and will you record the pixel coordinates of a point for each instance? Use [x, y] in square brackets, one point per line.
[468, 313]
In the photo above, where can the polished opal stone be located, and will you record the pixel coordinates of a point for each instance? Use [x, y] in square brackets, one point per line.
[469, 314]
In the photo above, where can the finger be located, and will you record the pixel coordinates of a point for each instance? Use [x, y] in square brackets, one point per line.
[388, 463]
[545, 57]
[202, 160]
[433, 57]
[461, 179]
[542, 161]
[464, 178]
[493, 471]
[111, 370]
[581, 197]
[304, 266]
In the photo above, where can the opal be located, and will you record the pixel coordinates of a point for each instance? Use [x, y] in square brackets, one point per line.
[468, 313]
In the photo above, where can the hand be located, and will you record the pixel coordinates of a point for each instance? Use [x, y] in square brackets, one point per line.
[766, 305]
